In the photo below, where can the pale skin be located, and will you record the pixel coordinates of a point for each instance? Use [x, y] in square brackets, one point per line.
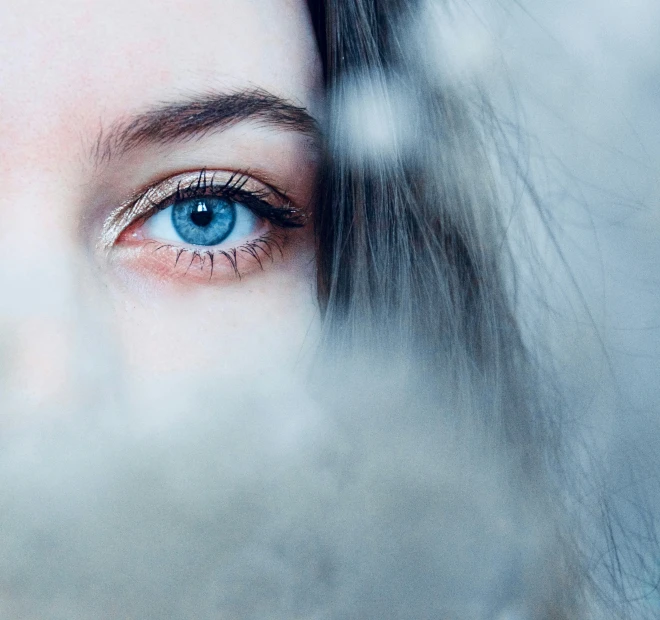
[73, 72]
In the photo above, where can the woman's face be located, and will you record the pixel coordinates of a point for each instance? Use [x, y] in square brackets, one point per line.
[157, 163]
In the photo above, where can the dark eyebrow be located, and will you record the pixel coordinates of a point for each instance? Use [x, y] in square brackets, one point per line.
[199, 115]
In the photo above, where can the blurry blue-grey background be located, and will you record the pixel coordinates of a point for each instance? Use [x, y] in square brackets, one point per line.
[582, 79]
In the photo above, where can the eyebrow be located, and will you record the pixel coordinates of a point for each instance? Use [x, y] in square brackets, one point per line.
[199, 115]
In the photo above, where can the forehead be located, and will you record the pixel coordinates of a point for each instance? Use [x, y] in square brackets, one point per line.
[73, 63]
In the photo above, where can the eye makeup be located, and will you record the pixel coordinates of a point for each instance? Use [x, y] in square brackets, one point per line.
[201, 222]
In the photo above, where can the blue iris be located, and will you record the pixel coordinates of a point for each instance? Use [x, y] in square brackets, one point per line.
[203, 221]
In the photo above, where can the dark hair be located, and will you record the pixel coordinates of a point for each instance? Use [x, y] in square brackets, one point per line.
[411, 248]
[413, 255]
[412, 251]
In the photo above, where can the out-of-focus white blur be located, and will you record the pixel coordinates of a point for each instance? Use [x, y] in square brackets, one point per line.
[283, 503]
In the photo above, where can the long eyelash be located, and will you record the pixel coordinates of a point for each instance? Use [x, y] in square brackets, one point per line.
[265, 244]
[233, 189]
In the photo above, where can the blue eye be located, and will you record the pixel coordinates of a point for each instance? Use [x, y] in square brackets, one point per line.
[202, 221]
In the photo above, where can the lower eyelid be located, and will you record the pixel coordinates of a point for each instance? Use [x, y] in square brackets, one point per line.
[164, 261]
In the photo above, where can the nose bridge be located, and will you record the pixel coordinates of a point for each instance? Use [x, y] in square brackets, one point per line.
[38, 244]
[41, 303]
[49, 300]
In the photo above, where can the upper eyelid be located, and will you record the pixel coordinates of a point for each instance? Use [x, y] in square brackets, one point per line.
[170, 187]
[167, 190]
[143, 202]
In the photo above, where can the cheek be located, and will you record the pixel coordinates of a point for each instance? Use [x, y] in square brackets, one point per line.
[243, 330]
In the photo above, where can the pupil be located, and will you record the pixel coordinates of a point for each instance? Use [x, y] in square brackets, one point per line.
[201, 215]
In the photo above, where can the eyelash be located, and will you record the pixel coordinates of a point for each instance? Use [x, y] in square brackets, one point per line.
[284, 216]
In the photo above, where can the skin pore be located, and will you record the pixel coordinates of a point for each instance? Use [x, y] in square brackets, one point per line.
[101, 105]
